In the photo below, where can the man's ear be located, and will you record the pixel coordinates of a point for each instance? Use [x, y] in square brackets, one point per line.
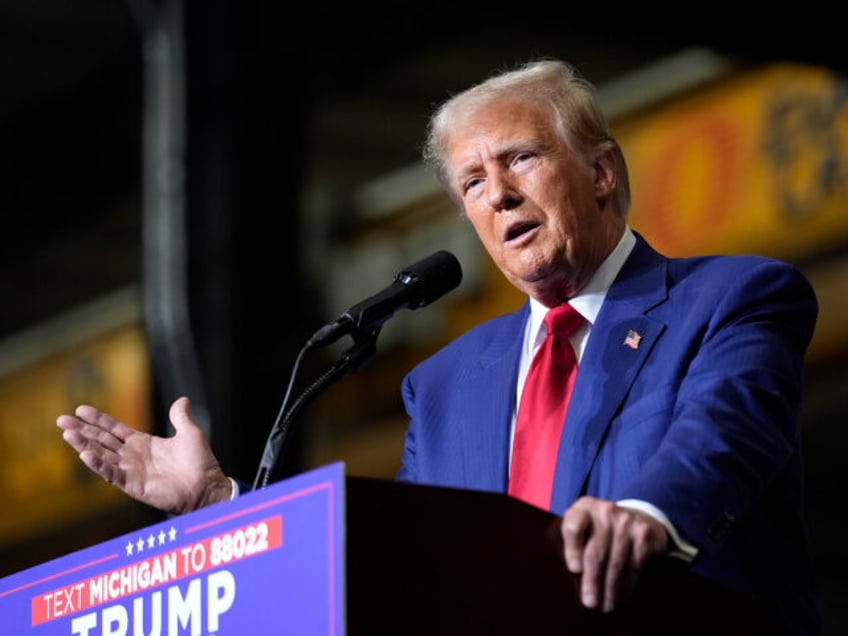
[606, 171]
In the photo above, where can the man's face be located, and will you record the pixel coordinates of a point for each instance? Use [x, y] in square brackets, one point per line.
[545, 215]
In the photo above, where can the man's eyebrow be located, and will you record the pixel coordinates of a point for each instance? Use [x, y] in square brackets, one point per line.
[506, 149]
[466, 169]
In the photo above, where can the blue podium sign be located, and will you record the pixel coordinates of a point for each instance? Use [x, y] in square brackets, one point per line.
[268, 562]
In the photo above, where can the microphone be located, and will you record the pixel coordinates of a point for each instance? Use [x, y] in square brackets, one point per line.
[415, 286]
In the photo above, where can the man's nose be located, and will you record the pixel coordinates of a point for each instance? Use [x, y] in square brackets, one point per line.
[502, 192]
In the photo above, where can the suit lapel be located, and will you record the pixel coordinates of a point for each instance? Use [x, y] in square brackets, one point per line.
[619, 344]
[488, 401]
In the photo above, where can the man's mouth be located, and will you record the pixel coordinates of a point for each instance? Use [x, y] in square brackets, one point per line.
[519, 229]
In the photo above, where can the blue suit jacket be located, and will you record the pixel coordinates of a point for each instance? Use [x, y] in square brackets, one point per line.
[700, 419]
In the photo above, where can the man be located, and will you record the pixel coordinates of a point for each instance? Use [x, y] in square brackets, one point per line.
[681, 438]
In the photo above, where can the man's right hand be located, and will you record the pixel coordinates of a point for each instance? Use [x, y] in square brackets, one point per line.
[176, 474]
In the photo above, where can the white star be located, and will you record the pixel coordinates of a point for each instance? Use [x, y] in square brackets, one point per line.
[172, 534]
[129, 548]
[161, 537]
[139, 545]
[151, 541]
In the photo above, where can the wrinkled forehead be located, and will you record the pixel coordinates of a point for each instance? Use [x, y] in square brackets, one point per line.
[495, 128]
[502, 108]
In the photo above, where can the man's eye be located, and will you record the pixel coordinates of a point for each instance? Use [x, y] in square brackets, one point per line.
[472, 183]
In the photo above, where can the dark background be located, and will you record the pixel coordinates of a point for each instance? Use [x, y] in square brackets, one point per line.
[280, 104]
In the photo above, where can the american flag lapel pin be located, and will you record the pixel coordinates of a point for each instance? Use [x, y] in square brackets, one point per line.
[633, 338]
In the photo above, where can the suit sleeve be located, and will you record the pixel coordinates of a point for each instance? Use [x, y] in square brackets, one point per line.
[733, 444]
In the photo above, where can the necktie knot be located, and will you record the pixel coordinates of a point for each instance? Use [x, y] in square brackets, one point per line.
[563, 320]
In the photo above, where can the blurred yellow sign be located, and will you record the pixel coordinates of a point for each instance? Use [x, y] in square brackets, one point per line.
[45, 485]
[754, 163]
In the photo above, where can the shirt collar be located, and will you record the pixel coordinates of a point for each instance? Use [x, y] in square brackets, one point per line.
[589, 299]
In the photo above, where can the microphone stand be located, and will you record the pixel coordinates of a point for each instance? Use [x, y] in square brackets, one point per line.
[363, 349]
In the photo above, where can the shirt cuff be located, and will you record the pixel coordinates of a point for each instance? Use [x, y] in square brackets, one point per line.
[681, 548]
[235, 491]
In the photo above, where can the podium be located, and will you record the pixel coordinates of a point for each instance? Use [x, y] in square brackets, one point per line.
[324, 553]
[430, 560]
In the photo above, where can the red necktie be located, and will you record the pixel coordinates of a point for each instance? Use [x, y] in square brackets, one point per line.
[544, 402]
